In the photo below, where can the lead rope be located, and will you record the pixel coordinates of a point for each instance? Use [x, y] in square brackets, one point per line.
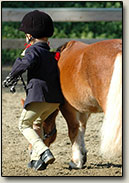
[23, 82]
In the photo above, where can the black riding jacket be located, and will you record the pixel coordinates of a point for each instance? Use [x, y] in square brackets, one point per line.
[43, 83]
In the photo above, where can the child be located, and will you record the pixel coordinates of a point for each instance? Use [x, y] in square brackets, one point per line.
[43, 87]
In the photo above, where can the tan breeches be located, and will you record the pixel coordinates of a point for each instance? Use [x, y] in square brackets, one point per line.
[35, 113]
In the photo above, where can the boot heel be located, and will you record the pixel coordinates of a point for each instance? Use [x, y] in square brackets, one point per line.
[47, 157]
[49, 160]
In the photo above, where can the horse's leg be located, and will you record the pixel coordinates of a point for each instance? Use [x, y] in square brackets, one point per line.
[48, 125]
[79, 153]
[76, 128]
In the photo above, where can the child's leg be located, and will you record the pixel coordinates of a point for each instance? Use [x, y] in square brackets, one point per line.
[30, 114]
[39, 130]
[37, 126]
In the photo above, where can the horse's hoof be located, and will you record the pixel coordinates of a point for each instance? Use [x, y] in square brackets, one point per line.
[72, 165]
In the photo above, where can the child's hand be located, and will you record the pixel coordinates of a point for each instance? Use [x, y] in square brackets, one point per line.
[7, 81]
[10, 82]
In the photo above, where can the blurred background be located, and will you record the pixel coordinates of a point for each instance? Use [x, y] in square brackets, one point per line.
[66, 29]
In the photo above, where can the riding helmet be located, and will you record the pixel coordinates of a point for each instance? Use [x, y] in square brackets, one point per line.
[38, 24]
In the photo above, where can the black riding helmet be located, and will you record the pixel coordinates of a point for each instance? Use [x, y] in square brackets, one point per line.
[38, 24]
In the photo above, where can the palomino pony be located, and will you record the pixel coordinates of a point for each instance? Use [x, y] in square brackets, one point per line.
[91, 82]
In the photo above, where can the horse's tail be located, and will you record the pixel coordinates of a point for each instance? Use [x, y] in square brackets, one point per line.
[111, 132]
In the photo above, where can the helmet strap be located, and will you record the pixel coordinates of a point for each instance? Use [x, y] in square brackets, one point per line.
[29, 40]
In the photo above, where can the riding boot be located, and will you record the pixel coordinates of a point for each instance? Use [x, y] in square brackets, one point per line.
[45, 159]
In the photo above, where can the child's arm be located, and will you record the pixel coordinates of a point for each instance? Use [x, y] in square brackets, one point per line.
[21, 65]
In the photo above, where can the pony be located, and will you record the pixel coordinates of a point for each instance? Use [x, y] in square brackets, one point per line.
[91, 82]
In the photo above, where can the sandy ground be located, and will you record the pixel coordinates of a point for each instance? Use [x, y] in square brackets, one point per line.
[15, 155]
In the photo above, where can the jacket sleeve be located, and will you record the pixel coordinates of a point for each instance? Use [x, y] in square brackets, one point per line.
[21, 65]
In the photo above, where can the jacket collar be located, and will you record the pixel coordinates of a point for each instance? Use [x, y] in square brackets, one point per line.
[43, 44]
